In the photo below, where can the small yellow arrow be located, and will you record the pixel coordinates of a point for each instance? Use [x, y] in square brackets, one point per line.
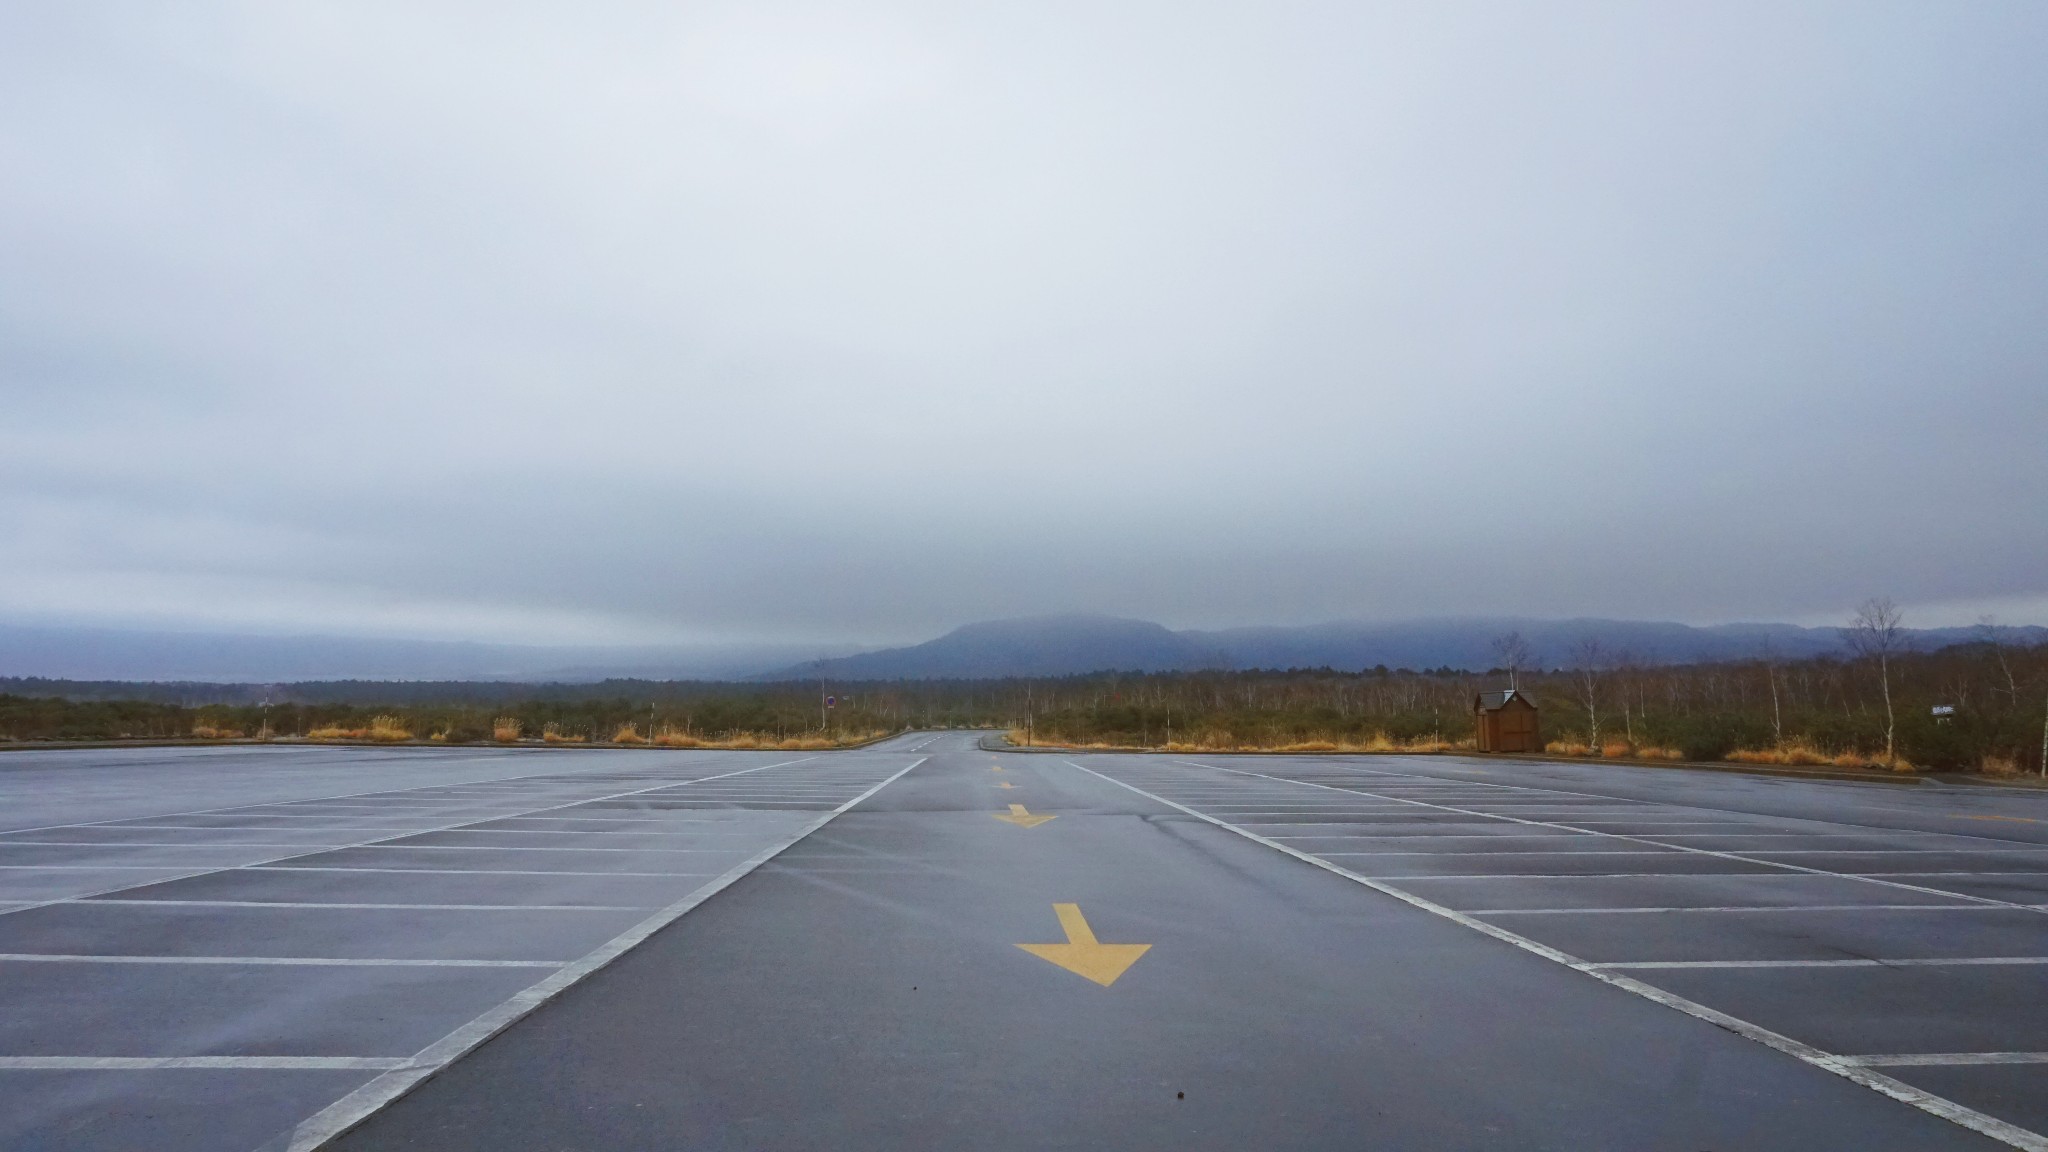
[1005, 784]
[996, 769]
[1024, 819]
[1082, 954]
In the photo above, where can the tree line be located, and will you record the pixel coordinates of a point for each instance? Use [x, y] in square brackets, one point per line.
[1979, 706]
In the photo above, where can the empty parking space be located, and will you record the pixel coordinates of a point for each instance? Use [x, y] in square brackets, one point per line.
[1868, 939]
[262, 961]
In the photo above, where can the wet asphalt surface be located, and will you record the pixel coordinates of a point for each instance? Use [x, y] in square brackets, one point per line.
[865, 989]
[209, 948]
[256, 948]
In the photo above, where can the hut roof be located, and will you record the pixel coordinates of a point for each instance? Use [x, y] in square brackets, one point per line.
[1495, 701]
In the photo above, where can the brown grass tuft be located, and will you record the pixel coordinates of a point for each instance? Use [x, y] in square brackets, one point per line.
[506, 729]
[209, 732]
[676, 738]
[552, 733]
[1616, 749]
[1216, 740]
[1795, 753]
[1998, 766]
[1567, 748]
[630, 734]
[389, 729]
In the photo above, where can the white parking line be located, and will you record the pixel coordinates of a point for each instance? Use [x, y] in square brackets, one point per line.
[153, 1063]
[1518, 852]
[285, 961]
[511, 848]
[315, 850]
[350, 1110]
[1923, 962]
[1943, 1059]
[378, 907]
[1351, 771]
[1741, 908]
[1983, 900]
[1687, 848]
[274, 803]
[446, 871]
[1896, 1089]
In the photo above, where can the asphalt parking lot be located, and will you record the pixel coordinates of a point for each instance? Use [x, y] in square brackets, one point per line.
[928, 944]
[1249, 960]
[185, 973]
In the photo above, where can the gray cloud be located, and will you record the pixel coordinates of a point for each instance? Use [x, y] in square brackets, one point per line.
[803, 322]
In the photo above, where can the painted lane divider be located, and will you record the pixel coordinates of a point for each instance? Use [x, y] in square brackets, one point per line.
[1023, 818]
[1082, 954]
[1004, 784]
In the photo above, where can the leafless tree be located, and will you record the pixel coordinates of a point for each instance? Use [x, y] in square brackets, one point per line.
[1514, 654]
[1769, 656]
[1877, 635]
[1588, 658]
[1631, 673]
[1998, 638]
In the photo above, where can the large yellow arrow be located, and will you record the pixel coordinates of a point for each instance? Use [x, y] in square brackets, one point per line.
[1082, 954]
[1024, 819]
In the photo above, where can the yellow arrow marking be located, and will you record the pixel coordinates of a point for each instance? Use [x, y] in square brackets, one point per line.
[996, 769]
[1004, 784]
[1023, 819]
[1082, 954]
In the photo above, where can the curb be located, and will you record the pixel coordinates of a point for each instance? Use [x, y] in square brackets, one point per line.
[998, 743]
[301, 742]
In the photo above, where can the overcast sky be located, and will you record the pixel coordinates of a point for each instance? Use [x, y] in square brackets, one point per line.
[850, 323]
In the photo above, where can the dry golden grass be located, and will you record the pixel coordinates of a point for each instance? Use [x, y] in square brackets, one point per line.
[1798, 754]
[1567, 748]
[506, 729]
[1651, 752]
[552, 733]
[209, 732]
[630, 734]
[383, 729]
[1794, 753]
[762, 741]
[1998, 766]
[1617, 749]
[1217, 741]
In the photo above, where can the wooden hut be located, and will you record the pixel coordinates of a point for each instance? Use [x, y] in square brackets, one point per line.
[1507, 722]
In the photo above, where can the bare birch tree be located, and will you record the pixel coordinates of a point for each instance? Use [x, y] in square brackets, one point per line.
[1514, 654]
[1770, 662]
[1587, 660]
[1876, 634]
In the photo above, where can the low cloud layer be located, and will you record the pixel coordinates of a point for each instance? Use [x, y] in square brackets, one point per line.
[811, 323]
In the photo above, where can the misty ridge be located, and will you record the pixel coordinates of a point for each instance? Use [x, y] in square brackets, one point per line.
[1034, 646]
[1072, 645]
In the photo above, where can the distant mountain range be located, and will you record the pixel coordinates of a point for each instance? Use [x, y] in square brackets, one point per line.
[1038, 646]
[1065, 645]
